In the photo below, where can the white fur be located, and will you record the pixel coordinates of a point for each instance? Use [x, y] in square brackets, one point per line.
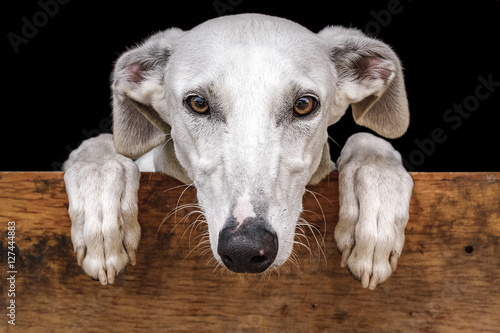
[373, 214]
[104, 230]
[251, 156]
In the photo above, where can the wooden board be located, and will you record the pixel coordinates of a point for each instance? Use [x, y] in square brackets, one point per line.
[448, 279]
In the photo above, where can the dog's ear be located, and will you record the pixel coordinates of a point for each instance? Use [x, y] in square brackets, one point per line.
[370, 79]
[139, 96]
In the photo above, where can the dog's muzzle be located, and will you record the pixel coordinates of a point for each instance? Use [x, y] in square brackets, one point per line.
[249, 247]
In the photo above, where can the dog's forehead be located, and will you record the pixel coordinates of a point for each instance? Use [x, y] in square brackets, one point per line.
[249, 28]
[247, 46]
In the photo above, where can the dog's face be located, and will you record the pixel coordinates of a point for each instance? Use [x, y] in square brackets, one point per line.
[249, 127]
[247, 101]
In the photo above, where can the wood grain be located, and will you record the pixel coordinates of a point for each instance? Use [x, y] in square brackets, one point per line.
[448, 279]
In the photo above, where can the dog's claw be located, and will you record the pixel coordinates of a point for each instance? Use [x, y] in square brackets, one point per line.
[111, 275]
[365, 279]
[102, 277]
[394, 260]
[132, 259]
[80, 255]
[373, 283]
[345, 255]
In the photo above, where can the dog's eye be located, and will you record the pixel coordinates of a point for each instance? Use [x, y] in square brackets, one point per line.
[197, 104]
[304, 106]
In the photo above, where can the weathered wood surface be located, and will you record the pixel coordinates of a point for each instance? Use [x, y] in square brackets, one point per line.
[448, 279]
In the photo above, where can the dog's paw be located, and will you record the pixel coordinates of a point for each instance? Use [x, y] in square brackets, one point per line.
[375, 192]
[102, 191]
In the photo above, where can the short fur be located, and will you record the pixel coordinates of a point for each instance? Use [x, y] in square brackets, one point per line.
[250, 158]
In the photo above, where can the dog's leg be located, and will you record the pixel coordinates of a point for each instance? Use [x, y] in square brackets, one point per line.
[102, 191]
[375, 192]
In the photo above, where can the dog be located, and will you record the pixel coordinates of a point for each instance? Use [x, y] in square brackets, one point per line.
[239, 106]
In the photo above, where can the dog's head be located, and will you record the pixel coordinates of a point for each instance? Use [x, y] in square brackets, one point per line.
[247, 100]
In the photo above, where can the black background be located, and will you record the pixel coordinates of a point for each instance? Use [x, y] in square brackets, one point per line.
[56, 86]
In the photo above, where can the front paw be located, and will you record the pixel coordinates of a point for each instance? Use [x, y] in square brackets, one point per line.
[375, 192]
[103, 210]
[369, 259]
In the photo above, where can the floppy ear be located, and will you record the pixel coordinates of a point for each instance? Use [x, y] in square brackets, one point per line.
[139, 96]
[370, 78]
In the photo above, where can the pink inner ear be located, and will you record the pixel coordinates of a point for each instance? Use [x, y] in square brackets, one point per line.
[134, 72]
[372, 68]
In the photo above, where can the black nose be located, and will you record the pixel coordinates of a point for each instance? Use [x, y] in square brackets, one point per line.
[248, 248]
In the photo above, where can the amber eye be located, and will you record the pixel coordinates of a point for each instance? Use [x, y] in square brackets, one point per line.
[304, 105]
[197, 104]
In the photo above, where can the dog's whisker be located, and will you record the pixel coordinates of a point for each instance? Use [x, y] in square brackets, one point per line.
[201, 236]
[192, 224]
[314, 228]
[304, 245]
[253, 281]
[195, 226]
[276, 270]
[303, 240]
[306, 211]
[200, 220]
[217, 268]
[174, 213]
[180, 197]
[266, 276]
[149, 179]
[208, 249]
[300, 234]
[315, 195]
[202, 244]
[321, 245]
[179, 208]
[178, 186]
[292, 260]
[169, 139]
[330, 138]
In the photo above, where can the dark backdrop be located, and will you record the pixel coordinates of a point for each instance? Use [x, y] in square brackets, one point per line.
[58, 56]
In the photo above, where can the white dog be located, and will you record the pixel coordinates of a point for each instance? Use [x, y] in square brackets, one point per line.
[239, 106]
